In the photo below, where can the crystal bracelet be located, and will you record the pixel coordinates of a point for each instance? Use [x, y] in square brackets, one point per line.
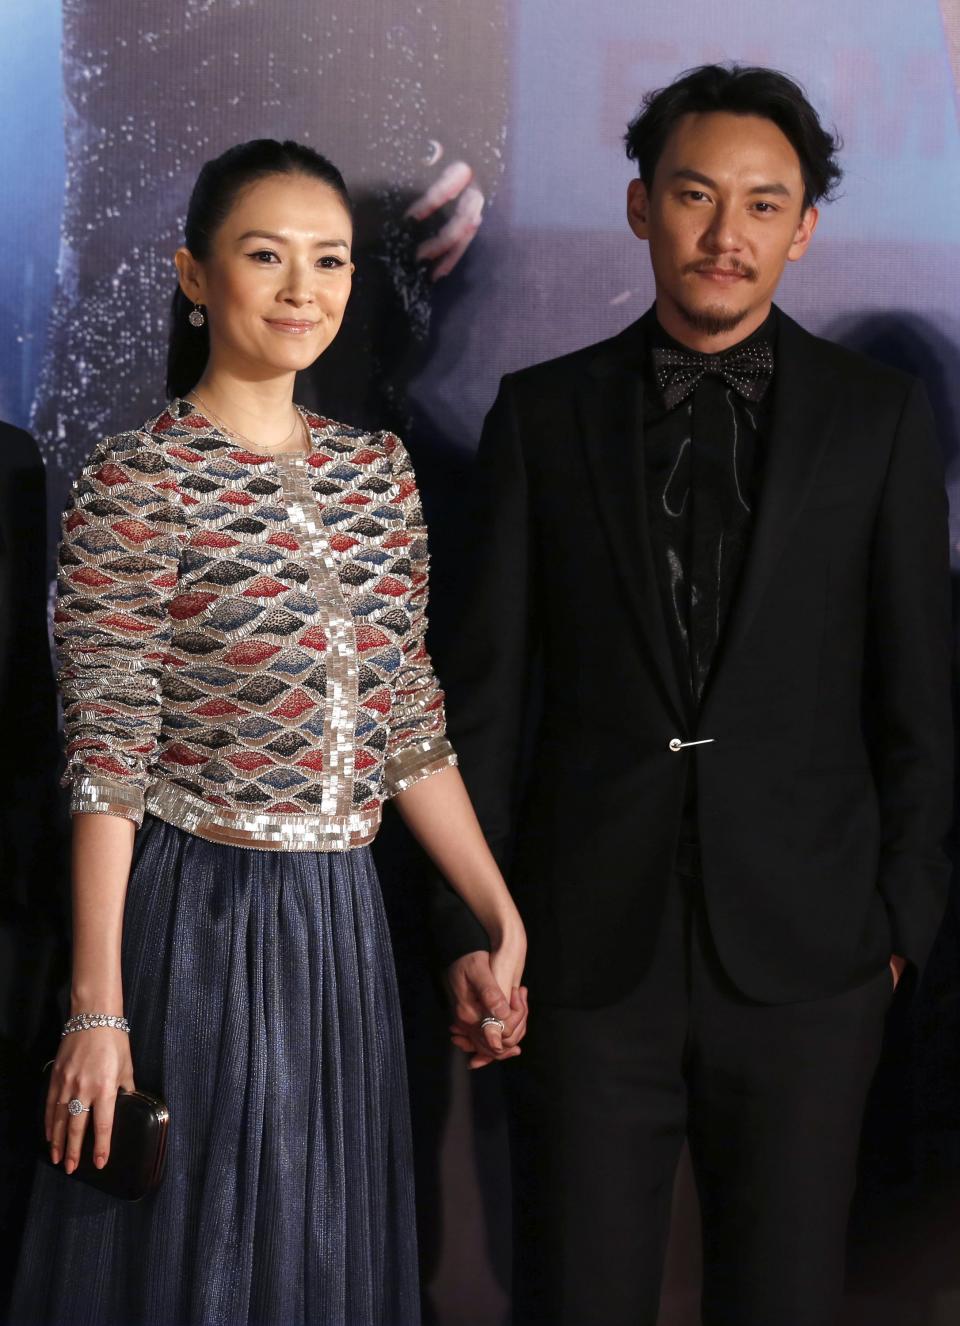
[84, 1021]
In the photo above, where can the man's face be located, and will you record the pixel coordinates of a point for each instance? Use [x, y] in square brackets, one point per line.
[723, 216]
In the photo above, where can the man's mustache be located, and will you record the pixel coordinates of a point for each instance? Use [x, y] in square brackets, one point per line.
[735, 265]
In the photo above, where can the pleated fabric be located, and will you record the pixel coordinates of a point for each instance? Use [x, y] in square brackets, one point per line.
[261, 992]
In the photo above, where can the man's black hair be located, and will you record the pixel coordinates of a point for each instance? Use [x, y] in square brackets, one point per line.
[738, 90]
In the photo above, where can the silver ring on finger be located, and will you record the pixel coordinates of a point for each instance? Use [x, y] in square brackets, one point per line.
[492, 1022]
[76, 1107]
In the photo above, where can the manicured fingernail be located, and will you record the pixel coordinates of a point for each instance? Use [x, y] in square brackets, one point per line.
[70, 1166]
[100, 1162]
[55, 1155]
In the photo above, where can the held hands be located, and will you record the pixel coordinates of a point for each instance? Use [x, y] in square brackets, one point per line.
[91, 1066]
[482, 985]
[478, 983]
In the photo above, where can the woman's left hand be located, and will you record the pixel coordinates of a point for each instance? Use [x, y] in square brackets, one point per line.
[486, 985]
[482, 985]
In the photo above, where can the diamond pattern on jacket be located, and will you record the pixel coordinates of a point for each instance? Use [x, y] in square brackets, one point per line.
[192, 638]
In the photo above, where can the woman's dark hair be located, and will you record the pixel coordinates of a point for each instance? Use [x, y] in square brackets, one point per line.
[738, 90]
[216, 190]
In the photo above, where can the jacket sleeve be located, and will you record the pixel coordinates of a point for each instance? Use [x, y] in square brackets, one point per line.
[911, 688]
[116, 572]
[417, 744]
[489, 667]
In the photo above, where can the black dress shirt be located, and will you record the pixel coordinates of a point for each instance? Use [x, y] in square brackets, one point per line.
[702, 465]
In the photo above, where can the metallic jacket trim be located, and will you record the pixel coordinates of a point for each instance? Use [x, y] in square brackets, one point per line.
[250, 828]
[337, 621]
[103, 796]
[413, 763]
[246, 828]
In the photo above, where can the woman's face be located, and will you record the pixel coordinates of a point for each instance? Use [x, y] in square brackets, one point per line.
[277, 279]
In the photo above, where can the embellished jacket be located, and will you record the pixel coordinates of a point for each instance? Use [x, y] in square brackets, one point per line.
[241, 636]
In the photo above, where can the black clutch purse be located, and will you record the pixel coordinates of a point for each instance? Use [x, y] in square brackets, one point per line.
[138, 1148]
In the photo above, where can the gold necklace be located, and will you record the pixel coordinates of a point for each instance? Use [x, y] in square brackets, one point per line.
[255, 447]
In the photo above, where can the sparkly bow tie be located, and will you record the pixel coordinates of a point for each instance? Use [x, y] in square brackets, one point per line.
[678, 371]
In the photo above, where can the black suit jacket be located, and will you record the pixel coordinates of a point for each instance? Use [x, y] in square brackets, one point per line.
[32, 820]
[28, 704]
[825, 793]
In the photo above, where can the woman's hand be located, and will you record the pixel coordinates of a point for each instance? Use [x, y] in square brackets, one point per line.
[91, 1066]
[484, 985]
[438, 812]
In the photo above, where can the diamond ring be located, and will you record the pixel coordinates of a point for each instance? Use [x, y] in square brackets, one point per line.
[492, 1022]
[76, 1107]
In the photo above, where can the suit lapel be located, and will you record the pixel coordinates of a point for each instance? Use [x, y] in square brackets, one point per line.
[610, 408]
[805, 398]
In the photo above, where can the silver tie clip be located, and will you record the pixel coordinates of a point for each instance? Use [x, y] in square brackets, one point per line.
[676, 744]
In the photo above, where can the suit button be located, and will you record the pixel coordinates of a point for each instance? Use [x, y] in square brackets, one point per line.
[676, 744]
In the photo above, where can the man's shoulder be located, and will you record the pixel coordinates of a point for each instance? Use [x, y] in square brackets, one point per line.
[849, 367]
[570, 367]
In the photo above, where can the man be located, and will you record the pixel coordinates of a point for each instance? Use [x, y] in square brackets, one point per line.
[715, 547]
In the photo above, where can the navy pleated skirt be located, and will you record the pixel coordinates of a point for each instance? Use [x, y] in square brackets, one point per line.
[261, 993]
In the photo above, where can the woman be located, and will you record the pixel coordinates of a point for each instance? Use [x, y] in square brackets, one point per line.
[241, 628]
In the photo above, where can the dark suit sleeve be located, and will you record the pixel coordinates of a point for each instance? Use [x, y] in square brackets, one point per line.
[31, 819]
[911, 647]
[486, 671]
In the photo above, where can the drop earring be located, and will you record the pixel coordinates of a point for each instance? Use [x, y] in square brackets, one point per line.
[196, 318]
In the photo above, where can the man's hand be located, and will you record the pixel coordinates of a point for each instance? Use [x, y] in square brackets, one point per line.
[476, 993]
[454, 237]
[897, 968]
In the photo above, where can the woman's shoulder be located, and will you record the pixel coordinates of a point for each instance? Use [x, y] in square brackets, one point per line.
[362, 445]
[379, 453]
[180, 438]
[132, 449]
[143, 463]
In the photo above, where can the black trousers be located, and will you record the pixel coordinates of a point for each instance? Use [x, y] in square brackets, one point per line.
[771, 1099]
